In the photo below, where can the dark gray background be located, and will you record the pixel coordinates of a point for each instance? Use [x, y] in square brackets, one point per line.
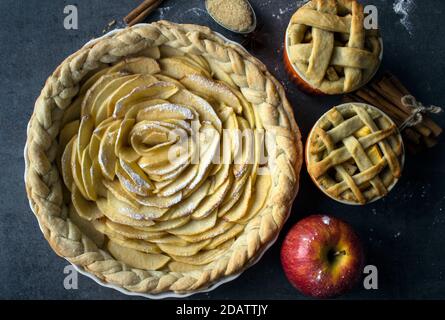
[403, 234]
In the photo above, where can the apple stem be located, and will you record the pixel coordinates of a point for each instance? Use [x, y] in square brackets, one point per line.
[340, 253]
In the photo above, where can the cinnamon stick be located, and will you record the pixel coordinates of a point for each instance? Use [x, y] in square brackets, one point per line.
[393, 89]
[141, 12]
[386, 94]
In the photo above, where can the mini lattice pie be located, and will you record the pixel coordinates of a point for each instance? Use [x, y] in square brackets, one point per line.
[329, 47]
[162, 158]
[355, 153]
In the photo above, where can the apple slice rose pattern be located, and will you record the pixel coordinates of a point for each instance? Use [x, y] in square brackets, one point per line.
[132, 137]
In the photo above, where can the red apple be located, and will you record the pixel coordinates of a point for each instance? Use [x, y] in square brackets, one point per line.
[322, 256]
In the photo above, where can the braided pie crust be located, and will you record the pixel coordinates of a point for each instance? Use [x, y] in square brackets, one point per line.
[99, 181]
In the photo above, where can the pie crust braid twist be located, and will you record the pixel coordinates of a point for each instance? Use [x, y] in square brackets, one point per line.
[44, 184]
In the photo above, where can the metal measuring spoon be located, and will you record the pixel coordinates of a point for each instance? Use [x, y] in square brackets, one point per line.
[249, 30]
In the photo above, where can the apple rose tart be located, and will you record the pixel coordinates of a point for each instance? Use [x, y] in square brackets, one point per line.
[162, 158]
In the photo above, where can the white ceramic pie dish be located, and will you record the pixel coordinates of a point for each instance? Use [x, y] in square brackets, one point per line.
[304, 78]
[402, 160]
[164, 295]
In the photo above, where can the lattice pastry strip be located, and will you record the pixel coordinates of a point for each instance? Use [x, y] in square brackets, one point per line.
[330, 47]
[355, 153]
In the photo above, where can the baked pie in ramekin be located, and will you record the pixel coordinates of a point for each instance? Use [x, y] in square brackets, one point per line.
[355, 153]
[327, 49]
[101, 143]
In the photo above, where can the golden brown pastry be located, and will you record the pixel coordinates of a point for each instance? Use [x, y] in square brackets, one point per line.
[129, 174]
[329, 47]
[355, 153]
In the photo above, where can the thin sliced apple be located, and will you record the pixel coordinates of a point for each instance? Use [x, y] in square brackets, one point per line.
[159, 162]
[163, 77]
[220, 177]
[87, 178]
[122, 134]
[138, 65]
[87, 108]
[177, 68]
[99, 107]
[88, 210]
[104, 126]
[92, 80]
[215, 90]
[76, 170]
[181, 267]
[67, 132]
[137, 259]
[86, 227]
[180, 183]
[107, 107]
[139, 245]
[133, 111]
[157, 90]
[259, 197]
[121, 215]
[170, 239]
[204, 257]
[136, 174]
[233, 195]
[220, 228]
[165, 111]
[242, 206]
[160, 202]
[226, 236]
[119, 192]
[142, 213]
[107, 157]
[170, 175]
[128, 154]
[188, 205]
[72, 113]
[204, 70]
[167, 224]
[96, 179]
[83, 138]
[248, 111]
[133, 189]
[244, 156]
[219, 73]
[135, 233]
[200, 60]
[93, 147]
[183, 251]
[66, 166]
[196, 226]
[210, 203]
[202, 107]
[211, 147]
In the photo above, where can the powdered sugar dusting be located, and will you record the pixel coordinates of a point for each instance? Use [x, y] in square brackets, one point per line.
[287, 11]
[196, 11]
[326, 220]
[163, 11]
[404, 8]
